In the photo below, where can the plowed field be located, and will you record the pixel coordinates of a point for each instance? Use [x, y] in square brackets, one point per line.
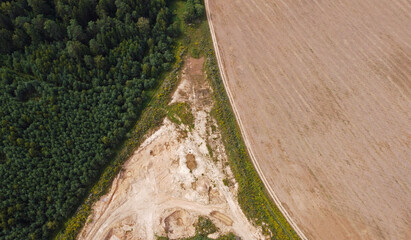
[322, 92]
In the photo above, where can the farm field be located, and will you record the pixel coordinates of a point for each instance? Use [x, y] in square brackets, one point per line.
[322, 92]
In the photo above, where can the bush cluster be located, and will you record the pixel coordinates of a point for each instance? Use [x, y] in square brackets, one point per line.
[194, 10]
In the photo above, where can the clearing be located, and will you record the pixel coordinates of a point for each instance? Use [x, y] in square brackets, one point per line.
[322, 92]
[173, 178]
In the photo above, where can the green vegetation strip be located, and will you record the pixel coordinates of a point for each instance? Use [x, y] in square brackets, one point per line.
[252, 195]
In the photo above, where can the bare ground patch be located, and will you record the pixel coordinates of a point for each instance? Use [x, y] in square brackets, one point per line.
[171, 179]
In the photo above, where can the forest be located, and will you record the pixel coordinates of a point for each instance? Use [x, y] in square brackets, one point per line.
[73, 78]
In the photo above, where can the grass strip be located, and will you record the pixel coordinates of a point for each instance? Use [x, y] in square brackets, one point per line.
[252, 195]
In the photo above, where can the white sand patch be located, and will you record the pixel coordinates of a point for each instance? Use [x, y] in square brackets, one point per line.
[157, 194]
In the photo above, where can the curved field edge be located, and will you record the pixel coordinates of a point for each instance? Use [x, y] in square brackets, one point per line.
[252, 194]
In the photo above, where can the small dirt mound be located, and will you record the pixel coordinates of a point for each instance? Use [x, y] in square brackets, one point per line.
[191, 161]
[222, 217]
[179, 224]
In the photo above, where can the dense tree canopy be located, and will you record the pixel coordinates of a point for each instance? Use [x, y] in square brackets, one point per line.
[72, 79]
[194, 10]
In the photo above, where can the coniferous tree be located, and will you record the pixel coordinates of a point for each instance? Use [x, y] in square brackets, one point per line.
[72, 79]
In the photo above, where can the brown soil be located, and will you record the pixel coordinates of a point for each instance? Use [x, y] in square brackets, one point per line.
[322, 92]
[222, 217]
[191, 161]
[171, 180]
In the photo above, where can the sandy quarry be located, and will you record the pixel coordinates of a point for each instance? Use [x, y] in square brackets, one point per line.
[172, 179]
[322, 91]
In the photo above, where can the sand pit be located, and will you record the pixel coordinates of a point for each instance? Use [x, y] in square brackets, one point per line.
[322, 91]
[171, 180]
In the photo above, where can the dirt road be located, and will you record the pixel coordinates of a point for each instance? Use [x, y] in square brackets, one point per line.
[322, 92]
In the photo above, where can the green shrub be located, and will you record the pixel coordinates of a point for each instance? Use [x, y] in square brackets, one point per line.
[180, 113]
[194, 10]
[195, 52]
[205, 226]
